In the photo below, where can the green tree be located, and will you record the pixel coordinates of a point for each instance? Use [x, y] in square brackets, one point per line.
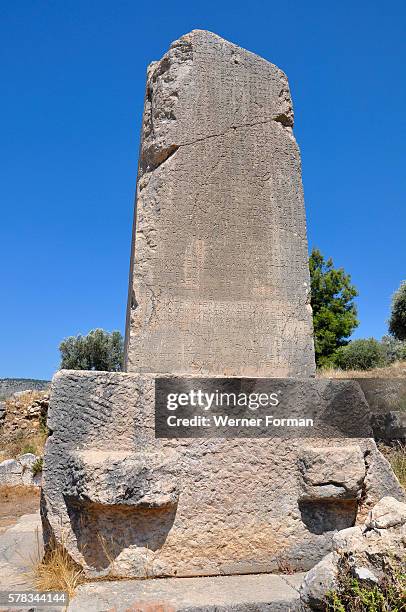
[397, 321]
[99, 350]
[334, 311]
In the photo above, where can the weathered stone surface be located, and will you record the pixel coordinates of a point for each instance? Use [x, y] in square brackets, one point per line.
[142, 480]
[10, 472]
[364, 575]
[2, 413]
[387, 401]
[384, 394]
[379, 478]
[17, 472]
[332, 472]
[390, 426]
[20, 548]
[129, 504]
[319, 581]
[259, 593]
[219, 281]
[387, 513]
[365, 551]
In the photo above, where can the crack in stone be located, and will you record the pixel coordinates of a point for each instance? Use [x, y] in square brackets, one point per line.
[169, 151]
[286, 581]
[232, 127]
[334, 483]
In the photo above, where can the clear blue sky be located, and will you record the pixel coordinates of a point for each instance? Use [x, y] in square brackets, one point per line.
[73, 77]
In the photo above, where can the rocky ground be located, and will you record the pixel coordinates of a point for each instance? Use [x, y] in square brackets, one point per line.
[22, 434]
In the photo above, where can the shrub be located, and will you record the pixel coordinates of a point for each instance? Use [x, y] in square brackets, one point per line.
[37, 466]
[99, 350]
[395, 349]
[362, 354]
[397, 321]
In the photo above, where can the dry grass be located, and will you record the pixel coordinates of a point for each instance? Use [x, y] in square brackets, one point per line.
[396, 455]
[12, 493]
[395, 370]
[32, 443]
[56, 571]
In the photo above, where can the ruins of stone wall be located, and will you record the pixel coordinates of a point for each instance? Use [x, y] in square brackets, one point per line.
[23, 415]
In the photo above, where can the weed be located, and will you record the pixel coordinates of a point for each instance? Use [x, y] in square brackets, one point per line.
[37, 466]
[352, 596]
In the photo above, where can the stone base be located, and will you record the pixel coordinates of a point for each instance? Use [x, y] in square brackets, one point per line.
[127, 504]
[262, 593]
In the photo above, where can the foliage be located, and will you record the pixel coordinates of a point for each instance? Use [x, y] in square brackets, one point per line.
[397, 321]
[43, 428]
[362, 354]
[395, 349]
[334, 311]
[353, 596]
[37, 466]
[99, 350]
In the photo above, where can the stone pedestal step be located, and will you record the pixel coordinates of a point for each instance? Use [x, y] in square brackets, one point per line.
[248, 593]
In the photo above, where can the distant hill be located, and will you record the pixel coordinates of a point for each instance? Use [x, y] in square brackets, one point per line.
[8, 386]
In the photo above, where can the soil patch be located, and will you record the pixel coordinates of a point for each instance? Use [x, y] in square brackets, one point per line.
[16, 501]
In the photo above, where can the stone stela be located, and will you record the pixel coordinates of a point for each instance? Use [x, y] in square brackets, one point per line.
[219, 286]
[219, 275]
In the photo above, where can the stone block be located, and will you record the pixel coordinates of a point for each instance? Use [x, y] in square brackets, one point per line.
[17, 472]
[128, 504]
[335, 473]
